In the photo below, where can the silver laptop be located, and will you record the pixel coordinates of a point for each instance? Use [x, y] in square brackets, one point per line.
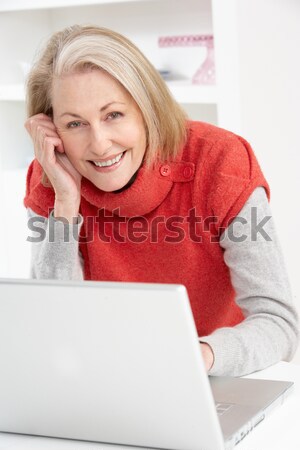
[117, 363]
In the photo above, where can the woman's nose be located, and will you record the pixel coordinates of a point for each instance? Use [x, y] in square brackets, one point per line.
[100, 141]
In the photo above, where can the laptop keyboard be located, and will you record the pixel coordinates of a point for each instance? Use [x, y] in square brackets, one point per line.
[222, 408]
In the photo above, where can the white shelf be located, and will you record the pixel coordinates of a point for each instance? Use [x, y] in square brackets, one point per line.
[21, 5]
[184, 92]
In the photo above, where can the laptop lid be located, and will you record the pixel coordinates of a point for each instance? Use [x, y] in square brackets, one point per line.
[107, 362]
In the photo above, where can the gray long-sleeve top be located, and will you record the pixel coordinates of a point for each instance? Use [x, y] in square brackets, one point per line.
[270, 331]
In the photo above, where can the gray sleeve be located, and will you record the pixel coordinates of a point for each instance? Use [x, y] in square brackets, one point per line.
[270, 331]
[55, 250]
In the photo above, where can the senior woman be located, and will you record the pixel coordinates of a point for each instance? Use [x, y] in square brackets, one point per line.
[125, 188]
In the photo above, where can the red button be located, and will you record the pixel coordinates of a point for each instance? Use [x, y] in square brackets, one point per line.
[187, 172]
[165, 170]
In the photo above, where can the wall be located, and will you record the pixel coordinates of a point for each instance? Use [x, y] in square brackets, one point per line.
[269, 37]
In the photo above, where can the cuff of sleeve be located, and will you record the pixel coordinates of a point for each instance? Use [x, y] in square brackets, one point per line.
[61, 230]
[225, 356]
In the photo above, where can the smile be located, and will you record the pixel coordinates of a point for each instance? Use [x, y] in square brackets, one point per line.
[109, 162]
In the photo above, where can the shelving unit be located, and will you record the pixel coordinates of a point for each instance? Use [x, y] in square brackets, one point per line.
[143, 21]
[184, 93]
[22, 5]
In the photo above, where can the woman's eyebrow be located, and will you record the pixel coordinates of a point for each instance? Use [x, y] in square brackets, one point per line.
[101, 110]
[109, 104]
[70, 114]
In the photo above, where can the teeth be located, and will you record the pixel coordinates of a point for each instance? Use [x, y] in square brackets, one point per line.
[110, 162]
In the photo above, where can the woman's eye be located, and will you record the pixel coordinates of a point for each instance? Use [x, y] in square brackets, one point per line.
[74, 124]
[114, 115]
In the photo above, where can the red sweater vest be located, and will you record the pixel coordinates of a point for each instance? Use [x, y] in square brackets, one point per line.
[165, 227]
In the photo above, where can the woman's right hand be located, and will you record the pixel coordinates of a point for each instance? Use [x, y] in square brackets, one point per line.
[64, 178]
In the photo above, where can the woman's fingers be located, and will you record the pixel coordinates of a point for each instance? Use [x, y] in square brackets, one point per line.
[44, 135]
[39, 119]
[49, 151]
[42, 126]
[49, 145]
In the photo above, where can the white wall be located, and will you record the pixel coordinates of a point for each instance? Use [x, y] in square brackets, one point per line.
[269, 39]
[15, 153]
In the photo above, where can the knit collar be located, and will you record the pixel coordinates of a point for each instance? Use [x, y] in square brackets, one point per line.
[147, 192]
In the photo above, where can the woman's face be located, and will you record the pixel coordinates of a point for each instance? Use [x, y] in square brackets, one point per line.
[101, 127]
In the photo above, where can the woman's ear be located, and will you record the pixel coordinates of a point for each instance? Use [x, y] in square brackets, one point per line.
[50, 113]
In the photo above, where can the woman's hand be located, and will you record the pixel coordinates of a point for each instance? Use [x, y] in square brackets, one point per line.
[49, 151]
[207, 355]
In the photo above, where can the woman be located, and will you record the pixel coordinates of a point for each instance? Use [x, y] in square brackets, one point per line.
[153, 197]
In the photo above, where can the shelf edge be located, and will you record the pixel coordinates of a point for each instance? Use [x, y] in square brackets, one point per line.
[183, 93]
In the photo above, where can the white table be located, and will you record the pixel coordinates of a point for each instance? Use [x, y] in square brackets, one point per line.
[279, 431]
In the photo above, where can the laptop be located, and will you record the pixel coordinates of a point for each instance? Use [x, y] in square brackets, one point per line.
[117, 363]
